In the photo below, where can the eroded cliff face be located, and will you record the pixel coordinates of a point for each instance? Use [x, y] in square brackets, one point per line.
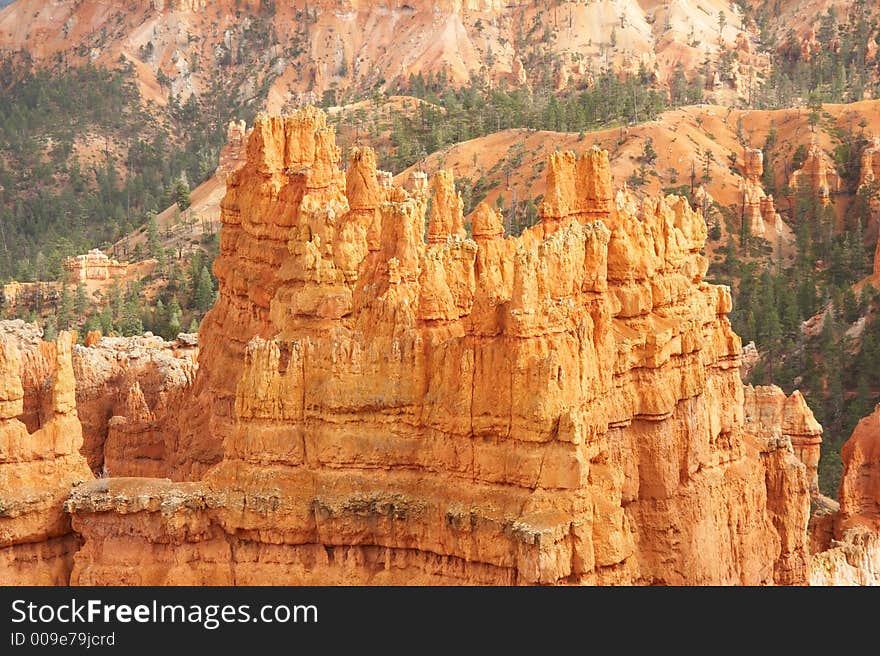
[319, 45]
[759, 208]
[771, 414]
[562, 407]
[817, 175]
[129, 392]
[119, 435]
[38, 469]
[848, 541]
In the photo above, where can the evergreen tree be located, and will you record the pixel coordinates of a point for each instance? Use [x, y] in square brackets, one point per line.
[861, 406]
[105, 318]
[93, 323]
[204, 296]
[181, 194]
[81, 301]
[50, 330]
[130, 322]
[850, 305]
[154, 243]
[159, 324]
[65, 309]
[175, 318]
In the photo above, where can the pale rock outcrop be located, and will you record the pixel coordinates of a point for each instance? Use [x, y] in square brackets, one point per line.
[94, 265]
[869, 173]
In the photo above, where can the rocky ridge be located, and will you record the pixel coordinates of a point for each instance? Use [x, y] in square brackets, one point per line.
[342, 44]
[560, 407]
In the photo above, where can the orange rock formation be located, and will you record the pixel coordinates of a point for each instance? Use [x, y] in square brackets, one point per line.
[129, 391]
[768, 412]
[232, 156]
[817, 175]
[37, 469]
[848, 541]
[860, 484]
[758, 208]
[562, 407]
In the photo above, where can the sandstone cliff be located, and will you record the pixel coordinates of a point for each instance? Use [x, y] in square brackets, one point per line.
[759, 210]
[562, 407]
[37, 469]
[233, 154]
[848, 541]
[770, 414]
[129, 392]
[817, 175]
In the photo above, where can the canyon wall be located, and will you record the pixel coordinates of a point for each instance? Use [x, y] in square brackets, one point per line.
[129, 393]
[561, 407]
[847, 542]
[335, 45]
[771, 414]
[38, 468]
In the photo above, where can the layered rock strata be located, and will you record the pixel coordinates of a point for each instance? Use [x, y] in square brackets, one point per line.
[38, 469]
[759, 209]
[94, 265]
[129, 393]
[817, 175]
[847, 542]
[770, 413]
[234, 152]
[561, 407]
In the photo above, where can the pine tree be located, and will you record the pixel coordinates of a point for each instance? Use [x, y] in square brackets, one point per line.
[50, 330]
[106, 320]
[81, 301]
[850, 305]
[65, 309]
[790, 319]
[130, 322]
[154, 243]
[181, 194]
[175, 318]
[160, 318]
[204, 296]
[866, 297]
[861, 406]
[93, 323]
